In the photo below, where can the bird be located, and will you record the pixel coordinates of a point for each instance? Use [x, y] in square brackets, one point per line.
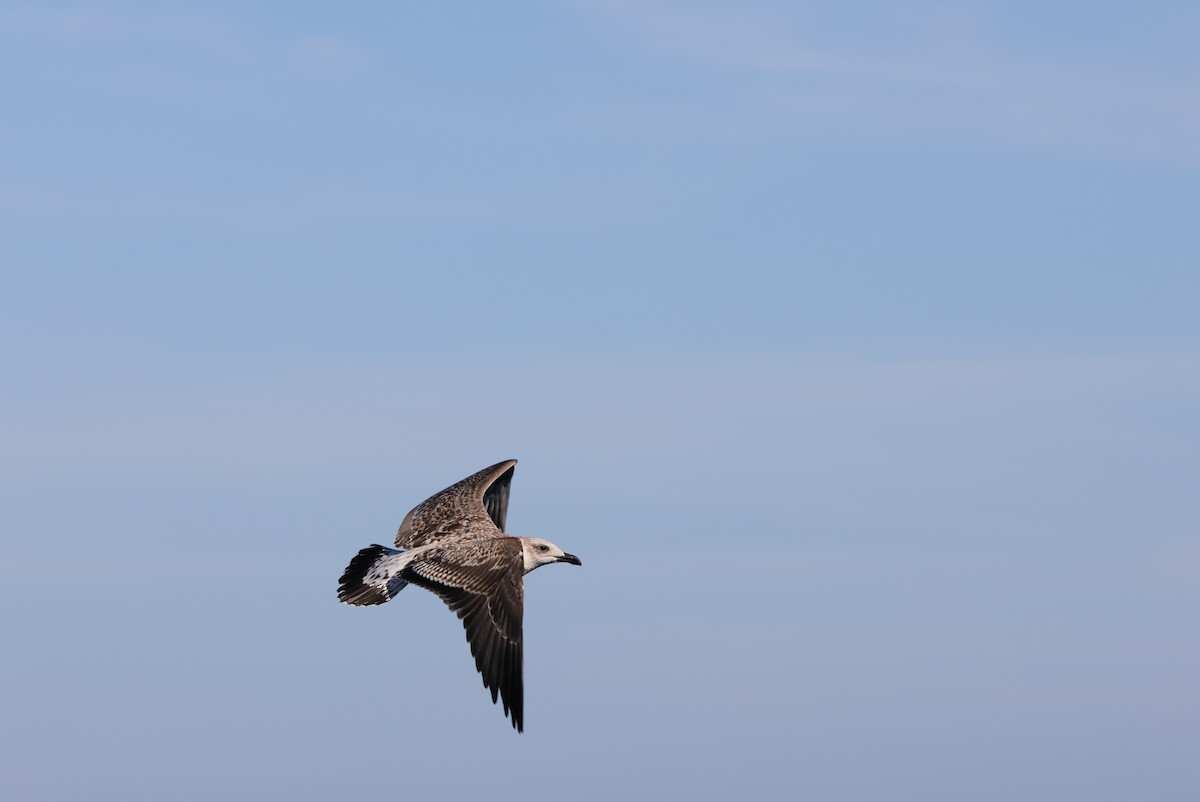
[454, 544]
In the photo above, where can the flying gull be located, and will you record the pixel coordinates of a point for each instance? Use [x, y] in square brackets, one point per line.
[453, 543]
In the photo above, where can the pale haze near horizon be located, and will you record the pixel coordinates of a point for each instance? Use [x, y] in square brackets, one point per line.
[854, 350]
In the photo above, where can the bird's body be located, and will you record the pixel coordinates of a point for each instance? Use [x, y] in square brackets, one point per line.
[454, 544]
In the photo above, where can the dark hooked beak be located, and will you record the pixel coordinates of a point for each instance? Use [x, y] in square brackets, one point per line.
[569, 558]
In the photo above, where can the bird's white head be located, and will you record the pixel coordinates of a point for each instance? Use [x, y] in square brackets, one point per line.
[542, 552]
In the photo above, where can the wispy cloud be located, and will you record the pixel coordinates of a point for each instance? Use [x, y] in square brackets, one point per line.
[176, 56]
[594, 413]
[939, 68]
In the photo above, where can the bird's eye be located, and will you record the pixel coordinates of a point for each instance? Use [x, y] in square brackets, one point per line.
[543, 548]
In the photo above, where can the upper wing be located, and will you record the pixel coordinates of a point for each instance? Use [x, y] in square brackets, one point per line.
[481, 581]
[478, 505]
[495, 495]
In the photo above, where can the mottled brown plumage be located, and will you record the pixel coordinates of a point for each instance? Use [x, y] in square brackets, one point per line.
[476, 506]
[454, 544]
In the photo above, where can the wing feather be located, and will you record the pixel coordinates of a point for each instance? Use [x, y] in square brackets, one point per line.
[474, 507]
[481, 581]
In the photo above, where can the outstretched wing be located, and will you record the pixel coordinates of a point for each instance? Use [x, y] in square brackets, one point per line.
[481, 581]
[477, 506]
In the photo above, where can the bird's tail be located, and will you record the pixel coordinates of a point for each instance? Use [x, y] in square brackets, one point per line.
[373, 576]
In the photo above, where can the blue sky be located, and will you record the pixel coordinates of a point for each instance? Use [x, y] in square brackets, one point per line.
[853, 349]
